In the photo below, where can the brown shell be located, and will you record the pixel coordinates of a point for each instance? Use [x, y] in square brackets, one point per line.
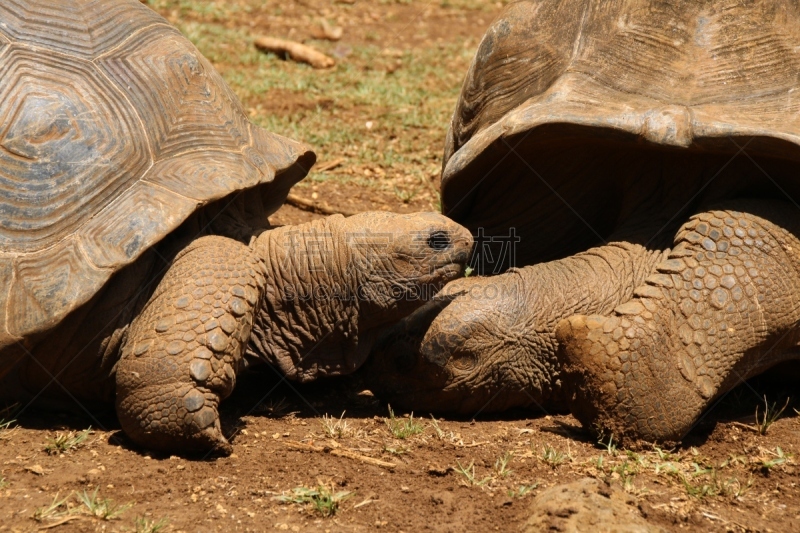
[691, 76]
[113, 130]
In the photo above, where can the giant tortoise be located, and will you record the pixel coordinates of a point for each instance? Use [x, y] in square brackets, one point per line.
[135, 264]
[641, 160]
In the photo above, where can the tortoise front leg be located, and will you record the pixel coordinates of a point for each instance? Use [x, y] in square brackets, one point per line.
[721, 309]
[183, 351]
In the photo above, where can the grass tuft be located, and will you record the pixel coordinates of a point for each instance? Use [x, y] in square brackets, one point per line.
[273, 408]
[104, 509]
[65, 442]
[770, 459]
[402, 428]
[469, 474]
[6, 420]
[771, 414]
[553, 456]
[145, 525]
[55, 510]
[322, 499]
[501, 465]
[337, 428]
[521, 491]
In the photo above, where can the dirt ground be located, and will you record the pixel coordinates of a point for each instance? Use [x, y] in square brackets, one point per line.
[329, 456]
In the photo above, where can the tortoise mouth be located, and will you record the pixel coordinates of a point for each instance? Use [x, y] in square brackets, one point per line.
[579, 183]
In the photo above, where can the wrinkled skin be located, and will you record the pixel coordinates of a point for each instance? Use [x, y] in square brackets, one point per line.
[488, 343]
[308, 299]
[681, 327]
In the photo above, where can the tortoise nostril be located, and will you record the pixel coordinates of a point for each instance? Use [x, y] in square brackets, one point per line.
[437, 349]
[439, 240]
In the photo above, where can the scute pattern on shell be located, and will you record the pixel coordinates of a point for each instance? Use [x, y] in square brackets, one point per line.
[682, 74]
[113, 130]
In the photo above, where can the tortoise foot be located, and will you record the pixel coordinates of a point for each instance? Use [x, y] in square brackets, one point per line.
[721, 309]
[616, 379]
[180, 419]
[183, 351]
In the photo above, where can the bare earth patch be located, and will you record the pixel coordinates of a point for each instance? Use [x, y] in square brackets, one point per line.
[330, 457]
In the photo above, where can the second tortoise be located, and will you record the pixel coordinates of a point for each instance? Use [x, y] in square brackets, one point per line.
[642, 159]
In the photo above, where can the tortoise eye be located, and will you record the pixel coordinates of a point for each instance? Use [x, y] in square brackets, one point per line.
[463, 361]
[439, 240]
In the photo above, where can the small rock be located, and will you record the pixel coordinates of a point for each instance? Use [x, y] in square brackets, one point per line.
[341, 51]
[35, 469]
[436, 470]
[586, 505]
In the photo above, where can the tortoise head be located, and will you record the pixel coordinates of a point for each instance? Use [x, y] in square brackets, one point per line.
[398, 262]
[463, 352]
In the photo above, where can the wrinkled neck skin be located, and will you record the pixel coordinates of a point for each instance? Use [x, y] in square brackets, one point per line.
[491, 345]
[594, 281]
[308, 324]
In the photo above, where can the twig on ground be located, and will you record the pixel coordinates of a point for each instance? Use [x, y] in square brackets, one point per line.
[295, 51]
[321, 208]
[745, 426]
[60, 522]
[340, 453]
[329, 165]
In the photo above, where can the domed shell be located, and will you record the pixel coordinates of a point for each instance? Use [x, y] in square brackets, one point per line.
[113, 130]
[551, 77]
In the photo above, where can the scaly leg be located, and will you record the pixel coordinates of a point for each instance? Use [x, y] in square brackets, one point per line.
[183, 351]
[722, 308]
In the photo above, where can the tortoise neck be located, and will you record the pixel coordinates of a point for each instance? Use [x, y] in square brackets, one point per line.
[308, 320]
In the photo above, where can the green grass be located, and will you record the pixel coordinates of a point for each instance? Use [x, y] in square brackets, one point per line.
[214, 10]
[468, 472]
[323, 500]
[554, 457]
[771, 414]
[54, 510]
[403, 428]
[501, 465]
[770, 459]
[700, 477]
[521, 491]
[102, 508]
[409, 95]
[6, 419]
[146, 525]
[65, 442]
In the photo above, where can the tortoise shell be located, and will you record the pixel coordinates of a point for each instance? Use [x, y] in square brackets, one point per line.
[113, 130]
[552, 81]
